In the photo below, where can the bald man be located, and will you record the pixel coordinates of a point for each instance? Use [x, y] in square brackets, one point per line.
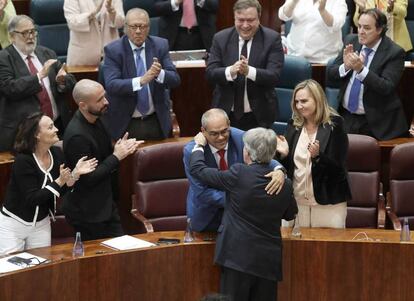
[90, 206]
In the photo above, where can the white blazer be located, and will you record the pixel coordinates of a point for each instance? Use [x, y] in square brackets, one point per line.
[87, 39]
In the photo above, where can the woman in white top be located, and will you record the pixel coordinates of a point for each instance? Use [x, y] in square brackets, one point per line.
[315, 33]
[315, 149]
[38, 177]
[92, 24]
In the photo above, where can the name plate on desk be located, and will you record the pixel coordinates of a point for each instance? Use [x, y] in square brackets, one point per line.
[189, 58]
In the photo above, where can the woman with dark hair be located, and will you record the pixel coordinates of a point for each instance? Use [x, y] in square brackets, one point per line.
[38, 177]
[315, 151]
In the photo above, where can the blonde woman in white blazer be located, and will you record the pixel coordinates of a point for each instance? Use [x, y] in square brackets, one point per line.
[92, 24]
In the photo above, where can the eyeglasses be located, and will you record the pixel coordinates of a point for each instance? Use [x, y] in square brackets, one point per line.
[141, 27]
[27, 33]
[215, 134]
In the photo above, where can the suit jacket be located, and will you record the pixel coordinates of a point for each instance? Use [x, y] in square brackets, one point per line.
[91, 199]
[383, 108]
[170, 20]
[249, 237]
[204, 202]
[329, 173]
[119, 69]
[266, 55]
[19, 88]
[88, 38]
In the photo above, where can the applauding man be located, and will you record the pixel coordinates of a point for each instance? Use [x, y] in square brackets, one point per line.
[90, 206]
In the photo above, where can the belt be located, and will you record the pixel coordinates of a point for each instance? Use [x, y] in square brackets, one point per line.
[189, 30]
[145, 117]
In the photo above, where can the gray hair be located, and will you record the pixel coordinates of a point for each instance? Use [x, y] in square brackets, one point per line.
[261, 144]
[245, 4]
[213, 113]
[15, 21]
[83, 89]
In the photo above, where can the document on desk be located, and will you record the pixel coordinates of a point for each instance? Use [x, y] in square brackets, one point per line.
[126, 242]
[19, 261]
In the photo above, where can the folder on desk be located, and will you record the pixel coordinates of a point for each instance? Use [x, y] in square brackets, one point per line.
[126, 242]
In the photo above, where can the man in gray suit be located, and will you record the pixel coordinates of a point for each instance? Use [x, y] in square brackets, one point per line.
[31, 79]
[370, 69]
[249, 244]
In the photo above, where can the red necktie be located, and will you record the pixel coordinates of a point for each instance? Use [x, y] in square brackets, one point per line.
[189, 16]
[45, 104]
[222, 162]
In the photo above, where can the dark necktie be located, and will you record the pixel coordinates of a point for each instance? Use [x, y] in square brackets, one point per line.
[240, 84]
[356, 87]
[45, 104]
[142, 95]
[222, 162]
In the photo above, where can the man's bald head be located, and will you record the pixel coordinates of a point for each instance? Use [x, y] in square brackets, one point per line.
[84, 89]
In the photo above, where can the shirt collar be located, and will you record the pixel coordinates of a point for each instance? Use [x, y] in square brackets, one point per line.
[24, 56]
[215, 150]
[133, 46]
[374, 49]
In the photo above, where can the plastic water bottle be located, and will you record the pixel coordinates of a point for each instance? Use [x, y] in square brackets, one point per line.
[296, 228]
[188, 236]
[78, 250]
[405, 231]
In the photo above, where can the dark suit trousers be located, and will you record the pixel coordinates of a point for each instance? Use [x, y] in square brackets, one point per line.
[188, 39]
[240, 286]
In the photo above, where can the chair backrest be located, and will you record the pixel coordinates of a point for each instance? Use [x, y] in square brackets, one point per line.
[409, 20]
[147, 5]
[295, 70]
[331, 87]
[402, 181]
[363, 163]
[51, 23]
[161, 186]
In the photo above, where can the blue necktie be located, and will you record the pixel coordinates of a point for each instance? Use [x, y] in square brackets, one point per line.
[142, 95]
[356, 86]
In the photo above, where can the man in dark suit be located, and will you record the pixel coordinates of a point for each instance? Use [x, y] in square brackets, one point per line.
[370, 69]
[245, 63]
[249, 244]
[138, 74]
[31, 79]
[225, 148]
[187, 24]
[89, 207]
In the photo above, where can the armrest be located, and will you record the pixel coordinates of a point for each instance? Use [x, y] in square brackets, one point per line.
[381, 210]
[136, 214]
[396, 224]
[175, 126]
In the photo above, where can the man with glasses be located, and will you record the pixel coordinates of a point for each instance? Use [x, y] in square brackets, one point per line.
[138, 74]
[224, 148]
[31, 79]
[245, 63]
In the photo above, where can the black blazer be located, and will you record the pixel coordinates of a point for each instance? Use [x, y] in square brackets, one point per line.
[329, 173]
[170, 20]
[19, 88]
[91, 199]
[383, 108]
[249, 237]
[266, 55]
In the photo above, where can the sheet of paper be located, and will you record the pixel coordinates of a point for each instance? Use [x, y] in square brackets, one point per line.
[7, 266]
[126, 242]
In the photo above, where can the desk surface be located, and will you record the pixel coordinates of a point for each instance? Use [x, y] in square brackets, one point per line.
[325, 264]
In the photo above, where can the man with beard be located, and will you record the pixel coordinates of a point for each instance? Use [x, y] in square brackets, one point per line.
[90, 207]
[31, 79]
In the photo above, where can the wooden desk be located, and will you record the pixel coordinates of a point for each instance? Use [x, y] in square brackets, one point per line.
[326, 264]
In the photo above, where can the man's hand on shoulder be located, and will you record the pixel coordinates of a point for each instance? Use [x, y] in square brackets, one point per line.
[276, 183]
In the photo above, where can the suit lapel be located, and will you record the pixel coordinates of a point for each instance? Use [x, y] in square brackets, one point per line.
[256, 48]
[20, 64]
[131, 68]
[233, 47]
[209, 157]
[231, 153]
[323, 136]
[379, 55]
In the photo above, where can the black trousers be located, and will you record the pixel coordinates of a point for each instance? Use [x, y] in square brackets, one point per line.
[188, 39]
[355, 124]
[241, 286]
[145, 128]
[106, 229]
[247, 122]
